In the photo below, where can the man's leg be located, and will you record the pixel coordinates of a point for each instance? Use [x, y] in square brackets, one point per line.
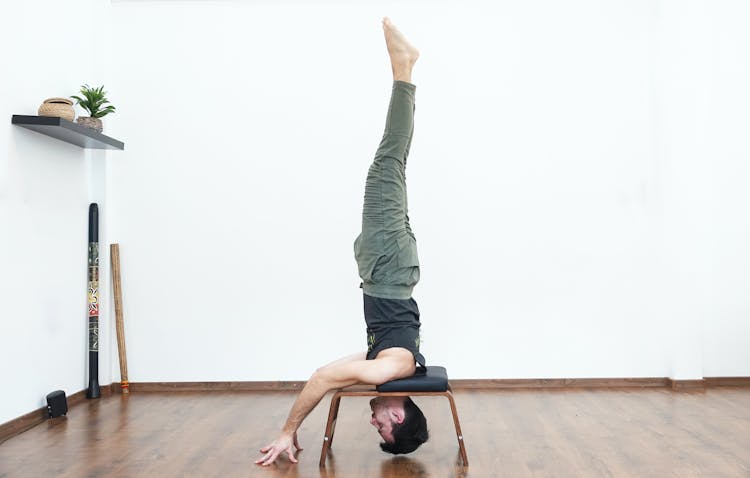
[385, 221]
[390, 184]
[385, 190]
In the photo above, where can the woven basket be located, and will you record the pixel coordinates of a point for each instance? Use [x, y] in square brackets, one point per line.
[57, 107]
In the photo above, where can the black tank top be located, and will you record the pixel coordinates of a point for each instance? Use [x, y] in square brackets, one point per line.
[392, 323]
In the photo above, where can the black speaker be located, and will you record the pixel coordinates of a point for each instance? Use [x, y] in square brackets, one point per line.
[57, 404]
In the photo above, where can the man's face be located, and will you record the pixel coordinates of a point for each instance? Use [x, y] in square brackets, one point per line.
[386, 411]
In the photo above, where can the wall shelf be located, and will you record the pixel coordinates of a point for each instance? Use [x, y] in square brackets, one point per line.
[68, 131]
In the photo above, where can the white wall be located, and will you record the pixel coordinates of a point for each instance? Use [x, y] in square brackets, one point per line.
[45, 189]
[727, 329]
[563, 185]
[577, 187]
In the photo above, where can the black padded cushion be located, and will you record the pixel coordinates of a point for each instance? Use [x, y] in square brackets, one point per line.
[435, 379]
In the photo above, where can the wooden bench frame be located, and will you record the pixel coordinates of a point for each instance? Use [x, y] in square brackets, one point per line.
[336, 401]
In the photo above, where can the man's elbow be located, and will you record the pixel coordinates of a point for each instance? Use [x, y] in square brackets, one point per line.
[321, 379]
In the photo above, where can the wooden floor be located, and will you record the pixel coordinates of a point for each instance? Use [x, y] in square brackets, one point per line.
[513, 433]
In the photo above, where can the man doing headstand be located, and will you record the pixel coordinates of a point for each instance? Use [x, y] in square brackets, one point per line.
[386, 254]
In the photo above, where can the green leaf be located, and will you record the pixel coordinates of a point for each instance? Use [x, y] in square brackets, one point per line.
[105, 111]
[93, 101]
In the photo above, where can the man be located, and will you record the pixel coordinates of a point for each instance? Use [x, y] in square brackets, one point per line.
[386, 254]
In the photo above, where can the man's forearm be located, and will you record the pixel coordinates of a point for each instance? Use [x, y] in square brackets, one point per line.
[311, 394]
[339, 374]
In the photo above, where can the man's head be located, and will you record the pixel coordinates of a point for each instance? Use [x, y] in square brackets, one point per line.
[400, 422]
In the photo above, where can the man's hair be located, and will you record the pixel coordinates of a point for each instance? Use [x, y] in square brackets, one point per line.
[410, 433]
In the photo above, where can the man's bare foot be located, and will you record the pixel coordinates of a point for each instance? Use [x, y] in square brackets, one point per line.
[403, 54]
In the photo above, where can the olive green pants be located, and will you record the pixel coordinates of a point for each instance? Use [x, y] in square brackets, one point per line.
[386, 250]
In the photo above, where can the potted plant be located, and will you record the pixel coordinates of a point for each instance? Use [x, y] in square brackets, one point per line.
[93, 102]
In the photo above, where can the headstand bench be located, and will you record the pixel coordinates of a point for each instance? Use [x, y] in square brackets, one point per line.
[432, 383]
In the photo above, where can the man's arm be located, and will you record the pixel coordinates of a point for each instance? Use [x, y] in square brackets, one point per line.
[389, 365]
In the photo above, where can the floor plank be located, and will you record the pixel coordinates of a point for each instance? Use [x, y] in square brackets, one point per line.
[508, 433]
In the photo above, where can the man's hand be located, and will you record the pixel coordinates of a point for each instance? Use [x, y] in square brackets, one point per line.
[282, 444]
[388, 365]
